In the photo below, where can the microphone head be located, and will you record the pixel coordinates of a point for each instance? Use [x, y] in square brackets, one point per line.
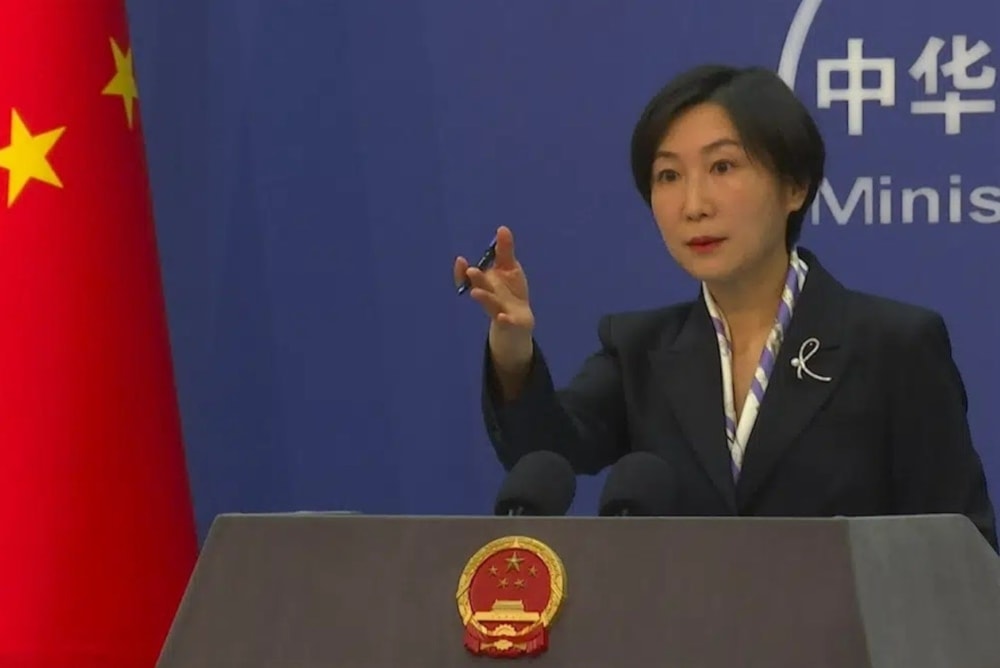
[639, 484]
[541, 483]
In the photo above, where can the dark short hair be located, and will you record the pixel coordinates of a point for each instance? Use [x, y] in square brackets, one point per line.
[774, 127]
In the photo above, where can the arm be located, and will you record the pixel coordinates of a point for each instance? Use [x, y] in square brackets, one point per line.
[585, 422]
[936, 469]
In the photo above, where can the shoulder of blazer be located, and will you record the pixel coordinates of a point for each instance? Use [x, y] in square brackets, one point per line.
[644, 328]
[900, 332]
[890, 321]
[869, 320]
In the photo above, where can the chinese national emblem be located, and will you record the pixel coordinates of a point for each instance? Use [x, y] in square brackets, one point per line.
[508, 595]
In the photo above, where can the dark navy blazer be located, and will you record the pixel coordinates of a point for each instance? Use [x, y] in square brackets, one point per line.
[887, 435]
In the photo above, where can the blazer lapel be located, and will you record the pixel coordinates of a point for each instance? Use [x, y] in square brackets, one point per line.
[693, 389]
[792, 399]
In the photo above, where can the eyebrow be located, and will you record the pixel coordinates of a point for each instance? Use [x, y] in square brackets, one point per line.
[708, 148]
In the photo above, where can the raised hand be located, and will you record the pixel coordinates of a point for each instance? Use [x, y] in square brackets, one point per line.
[502, 292]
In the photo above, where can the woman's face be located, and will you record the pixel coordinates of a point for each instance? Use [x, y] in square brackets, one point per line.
[721, 215]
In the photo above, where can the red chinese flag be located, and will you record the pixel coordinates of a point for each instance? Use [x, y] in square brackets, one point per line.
[97, 537]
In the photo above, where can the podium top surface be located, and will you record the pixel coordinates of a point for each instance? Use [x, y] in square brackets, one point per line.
[334, 589]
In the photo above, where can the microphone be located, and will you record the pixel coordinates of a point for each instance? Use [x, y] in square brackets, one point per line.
[640, 484]
[541, 483]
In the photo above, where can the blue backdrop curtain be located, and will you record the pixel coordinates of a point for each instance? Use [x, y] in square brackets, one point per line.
[317, 165]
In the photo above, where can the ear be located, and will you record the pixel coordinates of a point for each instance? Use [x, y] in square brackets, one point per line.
[795, 195]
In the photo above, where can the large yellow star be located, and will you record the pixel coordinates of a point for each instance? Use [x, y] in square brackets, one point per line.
[25, 158]
[514, 562]
[123, 83]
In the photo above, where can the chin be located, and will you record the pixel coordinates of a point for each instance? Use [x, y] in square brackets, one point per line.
[708, 269]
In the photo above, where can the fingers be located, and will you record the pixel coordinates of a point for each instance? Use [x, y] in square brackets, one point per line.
[499, 310]
[489, 301]
[505, 248]
[461, 265]
[478, 279]
[507, 319]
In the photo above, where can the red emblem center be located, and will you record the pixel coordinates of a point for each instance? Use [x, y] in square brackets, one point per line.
[508, 595]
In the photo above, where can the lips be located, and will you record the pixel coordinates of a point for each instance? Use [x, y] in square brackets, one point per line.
[705, 245]
[706, 241]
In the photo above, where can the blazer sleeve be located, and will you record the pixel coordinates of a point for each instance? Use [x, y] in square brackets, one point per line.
[585, 421]
[936, 469]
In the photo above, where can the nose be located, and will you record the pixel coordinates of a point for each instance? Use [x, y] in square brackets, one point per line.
[696, 200]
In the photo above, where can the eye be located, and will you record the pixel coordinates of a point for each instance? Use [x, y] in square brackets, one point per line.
[723, 166]
[665, 176]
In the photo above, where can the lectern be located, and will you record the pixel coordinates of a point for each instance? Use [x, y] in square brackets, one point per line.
[356, 591]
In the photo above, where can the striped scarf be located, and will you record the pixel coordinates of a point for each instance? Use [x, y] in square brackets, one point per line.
[737, 435]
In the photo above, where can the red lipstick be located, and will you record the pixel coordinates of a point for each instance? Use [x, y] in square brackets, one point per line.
[705, 244]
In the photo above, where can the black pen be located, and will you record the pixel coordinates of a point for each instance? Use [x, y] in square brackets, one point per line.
[484, 263]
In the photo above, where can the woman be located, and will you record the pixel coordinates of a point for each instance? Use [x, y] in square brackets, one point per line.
[777, 392]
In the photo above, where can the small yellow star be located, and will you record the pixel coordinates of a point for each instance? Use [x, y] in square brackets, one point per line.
[123, 83]
[514, 562]
[519, 583]
[493, 570]
[533, 571]
[25, 158]
[502, 583]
